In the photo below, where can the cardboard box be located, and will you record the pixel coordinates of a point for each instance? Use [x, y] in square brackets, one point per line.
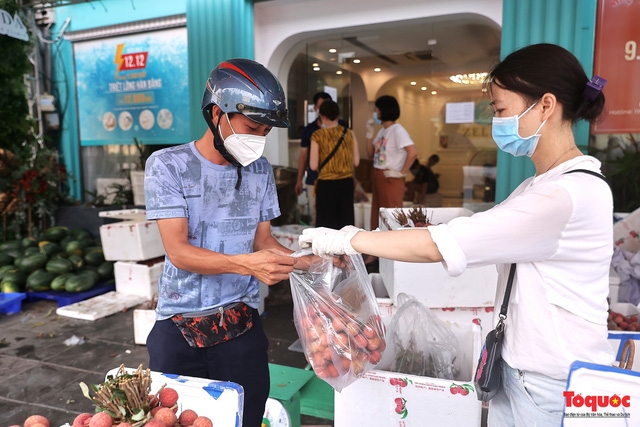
[221, 401]
[133, 239]
[382, 398]
[617, 339]
[626, 232]
[137, 278]
[429, 282]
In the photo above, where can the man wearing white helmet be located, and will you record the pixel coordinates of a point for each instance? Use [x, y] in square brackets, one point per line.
[213, 200]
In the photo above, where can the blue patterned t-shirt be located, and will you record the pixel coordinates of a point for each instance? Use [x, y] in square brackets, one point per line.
[180, 183]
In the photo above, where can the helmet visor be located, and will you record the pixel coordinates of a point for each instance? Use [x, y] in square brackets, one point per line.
[277, 118]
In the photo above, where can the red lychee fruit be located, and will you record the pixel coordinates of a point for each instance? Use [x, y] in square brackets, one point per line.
[82, 420]
[168, 397]
[154, 423]
[101, 419]
[187, 417]
[36, 419]
[167, 416]
[202, 422]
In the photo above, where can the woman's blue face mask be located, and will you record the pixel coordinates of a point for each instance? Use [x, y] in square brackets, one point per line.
[504, 131]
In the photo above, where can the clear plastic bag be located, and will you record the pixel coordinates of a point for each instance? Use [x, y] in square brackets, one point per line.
[419, 343]
[338, 320]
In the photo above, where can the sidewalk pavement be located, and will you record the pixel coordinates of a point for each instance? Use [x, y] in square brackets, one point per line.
[44, 357]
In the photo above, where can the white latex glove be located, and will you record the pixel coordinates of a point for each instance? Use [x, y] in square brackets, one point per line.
[369, 133]
[327, 242]
[390, 173]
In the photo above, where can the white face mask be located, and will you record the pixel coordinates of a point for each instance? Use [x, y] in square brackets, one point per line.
[245, 148]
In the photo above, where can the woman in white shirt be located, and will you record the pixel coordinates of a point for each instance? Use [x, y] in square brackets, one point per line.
[556, 227]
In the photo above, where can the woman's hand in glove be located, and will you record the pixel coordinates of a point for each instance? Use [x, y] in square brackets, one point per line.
[390, 173]
[327, 242]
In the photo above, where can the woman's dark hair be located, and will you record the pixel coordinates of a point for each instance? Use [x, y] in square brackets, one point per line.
[547, 68]
[329, 109]
[389, 108]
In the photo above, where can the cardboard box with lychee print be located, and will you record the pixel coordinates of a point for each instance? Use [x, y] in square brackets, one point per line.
[382, 398]
[617, 339]
[430, 282]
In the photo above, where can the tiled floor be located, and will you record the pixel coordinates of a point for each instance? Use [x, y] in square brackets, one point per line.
[40, 373]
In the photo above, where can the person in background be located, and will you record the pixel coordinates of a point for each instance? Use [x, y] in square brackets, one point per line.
[213, 200]
[334, 155]
[424, 182]
[556, 227]
[393, 153]
[303, 157]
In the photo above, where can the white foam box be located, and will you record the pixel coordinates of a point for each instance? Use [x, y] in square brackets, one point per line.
[221, 401]
[382, 398]
[481, 316]
[138, 278]
[143, 321]
[617, 339]
[133, 239]
[430, 282]
[287, 235]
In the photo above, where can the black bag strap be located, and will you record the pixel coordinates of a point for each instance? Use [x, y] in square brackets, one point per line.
[324, 162]
[590, 173]
[505, 299]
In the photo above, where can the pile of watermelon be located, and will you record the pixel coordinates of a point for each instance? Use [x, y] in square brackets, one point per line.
[61, 259]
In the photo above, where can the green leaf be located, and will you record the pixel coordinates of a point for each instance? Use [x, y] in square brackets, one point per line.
[138, 415]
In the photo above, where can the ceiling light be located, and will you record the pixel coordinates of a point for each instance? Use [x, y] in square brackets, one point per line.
[423, 88]
[316, 68]
[413, 83]
[339, 72]
[432, 42]
[332, 50]
[468, 79]
[315, 64]
[433, 92]
[356, 61]
[377, 69]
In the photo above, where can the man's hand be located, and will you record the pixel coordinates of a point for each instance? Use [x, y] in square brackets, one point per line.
[271, 266]
[298, 188]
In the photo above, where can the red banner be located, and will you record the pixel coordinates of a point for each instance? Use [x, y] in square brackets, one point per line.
[617, 59]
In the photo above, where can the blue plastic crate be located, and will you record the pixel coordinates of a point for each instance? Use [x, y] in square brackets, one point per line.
[11, 303]
[65, 298]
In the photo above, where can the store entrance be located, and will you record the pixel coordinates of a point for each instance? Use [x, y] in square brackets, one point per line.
[435, 68]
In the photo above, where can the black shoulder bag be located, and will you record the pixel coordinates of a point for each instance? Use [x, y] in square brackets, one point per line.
[324, 162]
[489, 372]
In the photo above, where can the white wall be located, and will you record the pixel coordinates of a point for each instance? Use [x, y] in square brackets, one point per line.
[282, 25]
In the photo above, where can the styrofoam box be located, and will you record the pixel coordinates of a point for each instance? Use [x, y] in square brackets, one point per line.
[136, 278]
[372, 400]
[618, 338]
[430, 282]
[133, 239]
[137, 186]
[221, 401]
[482, 316]
[287, 235]
[143, 321]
